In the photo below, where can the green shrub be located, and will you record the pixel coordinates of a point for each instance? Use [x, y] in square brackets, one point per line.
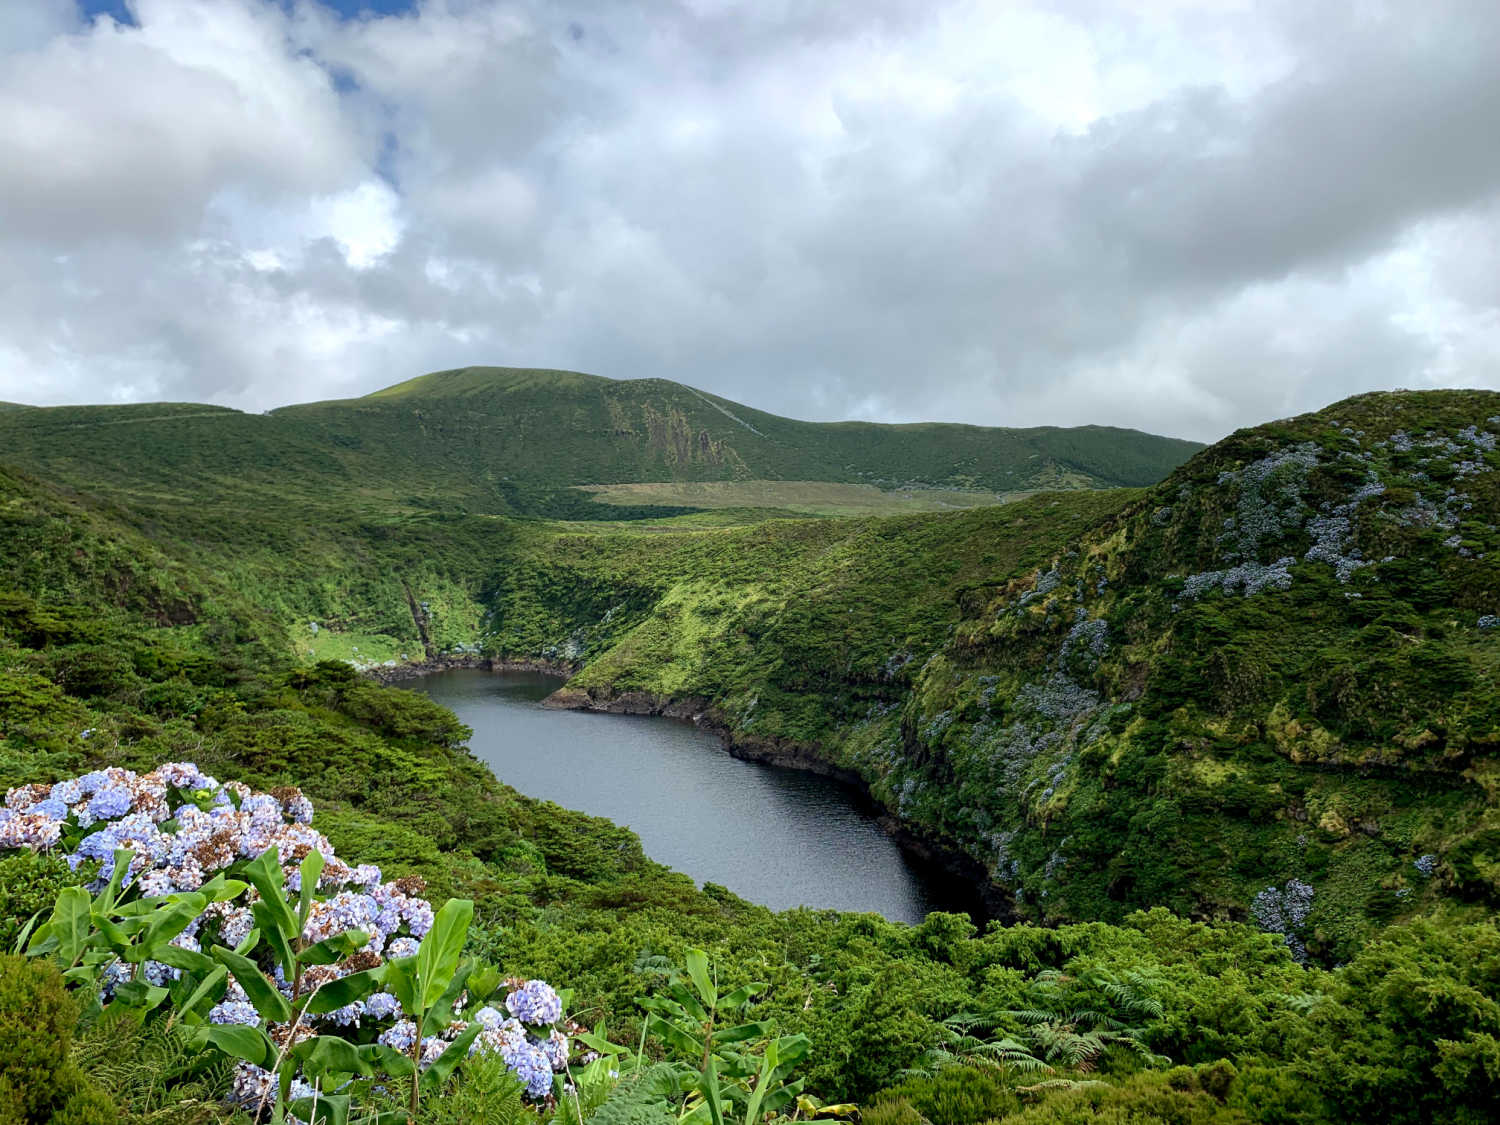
[29, 882]
[955, 1095]
[38, 1080]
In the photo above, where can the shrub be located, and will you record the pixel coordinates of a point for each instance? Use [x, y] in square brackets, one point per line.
[38, 1081]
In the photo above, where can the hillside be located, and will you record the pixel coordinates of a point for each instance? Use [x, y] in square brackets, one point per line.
[1262, 690]
[1277, 664]
[498, 440]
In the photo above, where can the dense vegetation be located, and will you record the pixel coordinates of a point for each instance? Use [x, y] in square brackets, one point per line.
[1260, 693]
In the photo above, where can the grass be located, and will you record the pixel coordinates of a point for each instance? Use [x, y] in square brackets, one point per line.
[817, 498]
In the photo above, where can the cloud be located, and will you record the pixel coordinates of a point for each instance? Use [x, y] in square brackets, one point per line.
[1185, 217]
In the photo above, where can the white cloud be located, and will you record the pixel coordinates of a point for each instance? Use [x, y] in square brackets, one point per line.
[1177, 215]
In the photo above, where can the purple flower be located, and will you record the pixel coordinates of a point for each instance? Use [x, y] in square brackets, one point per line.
[234, 1011]
[400, 1036]
[382, 1006]
[110, 803]
[534, 1003]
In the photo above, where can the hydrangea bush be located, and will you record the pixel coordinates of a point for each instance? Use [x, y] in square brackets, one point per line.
[221, 859]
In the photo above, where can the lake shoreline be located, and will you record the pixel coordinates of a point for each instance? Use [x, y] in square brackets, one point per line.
[993, 904]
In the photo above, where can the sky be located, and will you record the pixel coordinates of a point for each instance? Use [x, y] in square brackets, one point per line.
[1183, 216]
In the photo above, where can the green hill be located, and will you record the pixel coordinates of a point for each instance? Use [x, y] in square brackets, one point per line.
[500, 440]
[1261, 690]
[1280, 663]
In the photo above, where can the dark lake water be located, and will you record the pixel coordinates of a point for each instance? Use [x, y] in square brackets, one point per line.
[774, 836]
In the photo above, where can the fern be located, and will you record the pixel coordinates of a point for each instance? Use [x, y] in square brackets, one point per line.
[644, 1099]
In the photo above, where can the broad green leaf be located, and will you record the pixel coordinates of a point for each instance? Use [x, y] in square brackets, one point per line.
[697, 967]
[270, 929]
[441, 1067]
[221, 889]
[111, 893]
[440, 1014]
[387, 1060]
[688, 1002]
[325, 1109]
[401, 980]
[139, 994]
[268, 1001]
[709, 1087]
[437, 959]
[249, 941]
[248, 1043]
[739, 997]
[334, 948]
[184, 959]
[210, 989]
[596, 1041]
[741, 1033]
[345, 990]
[328, 1054]
[70, 924]
[307, 881]
[675, 1037]
[264, 872]
[170, 920]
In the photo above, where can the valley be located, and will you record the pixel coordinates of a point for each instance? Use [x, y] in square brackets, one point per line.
[1142, 703]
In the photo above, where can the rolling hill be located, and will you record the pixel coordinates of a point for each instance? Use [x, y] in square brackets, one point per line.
[502, 440]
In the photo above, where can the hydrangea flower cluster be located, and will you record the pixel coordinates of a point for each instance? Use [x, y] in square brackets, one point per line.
[183, 826]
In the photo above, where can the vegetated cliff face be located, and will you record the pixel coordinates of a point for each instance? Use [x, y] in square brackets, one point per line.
[1266, 687]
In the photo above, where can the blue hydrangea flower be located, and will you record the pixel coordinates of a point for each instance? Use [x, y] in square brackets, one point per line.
[400, 1036]
[107, 804]
[234, 1011]
[534, 1003]
[51, 808]
[382, 1006]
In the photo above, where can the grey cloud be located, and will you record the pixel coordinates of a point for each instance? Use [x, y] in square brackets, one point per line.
[820, 209]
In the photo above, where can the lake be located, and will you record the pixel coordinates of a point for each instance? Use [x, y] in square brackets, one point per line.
[775, 836]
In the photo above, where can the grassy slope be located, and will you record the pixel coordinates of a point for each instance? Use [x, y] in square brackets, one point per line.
[141, 626]
[1031, 685]
[498, 440]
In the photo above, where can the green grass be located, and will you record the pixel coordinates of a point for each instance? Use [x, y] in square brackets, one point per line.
[817, 498]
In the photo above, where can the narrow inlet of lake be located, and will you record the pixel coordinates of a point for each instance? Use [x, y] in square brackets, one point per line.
[774, 836]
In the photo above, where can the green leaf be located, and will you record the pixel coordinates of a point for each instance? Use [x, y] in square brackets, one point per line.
[437, 959]
[248, 1043]
[264, 872]
[345, 990]
[209, 988]
[596, 1041]
[70, 924]
[111, 893]
[709, 1087]
[697, 967]
[221, 889]
[387, 1060]
[307, 880]
[270, 929]
[440, 1014]
[268, 1001]
[331, 1109]
[440, 1068]
[401, 980]
[332, 949]
[675, 1037]
[329, 1054]
[741, 1033]
[139, 994]
[249, 941]
[739, 997]
[184, 959]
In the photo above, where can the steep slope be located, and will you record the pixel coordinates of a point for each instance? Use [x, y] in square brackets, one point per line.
[1279, 664]
[1265, 688]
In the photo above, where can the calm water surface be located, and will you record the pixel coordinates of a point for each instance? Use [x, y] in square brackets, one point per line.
[775, 836]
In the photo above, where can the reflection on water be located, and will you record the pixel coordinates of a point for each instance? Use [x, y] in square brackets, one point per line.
[774, 836]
